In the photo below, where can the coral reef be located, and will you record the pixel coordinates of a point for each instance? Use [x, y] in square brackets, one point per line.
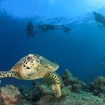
[73, 83]
[10, 95]
[41, 93]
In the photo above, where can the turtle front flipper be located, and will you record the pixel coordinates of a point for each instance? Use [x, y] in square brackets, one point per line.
[4, 74]
[55, 87]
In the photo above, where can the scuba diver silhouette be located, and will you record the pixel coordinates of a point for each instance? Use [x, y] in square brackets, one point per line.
[100, 18]
[30, 30]
[47, 27]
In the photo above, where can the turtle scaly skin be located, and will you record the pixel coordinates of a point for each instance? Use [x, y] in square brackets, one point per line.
[33, 67]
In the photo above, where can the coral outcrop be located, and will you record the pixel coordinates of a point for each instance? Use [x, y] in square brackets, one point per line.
[30, 94]
[10, 95]
[98, 85]
[73, 83]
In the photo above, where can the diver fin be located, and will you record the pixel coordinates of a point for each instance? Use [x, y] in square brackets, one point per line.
[67, 28]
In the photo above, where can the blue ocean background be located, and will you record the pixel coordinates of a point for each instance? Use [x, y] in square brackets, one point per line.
[82, 50]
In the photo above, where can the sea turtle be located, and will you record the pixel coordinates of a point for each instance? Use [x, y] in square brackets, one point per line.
[32, 67]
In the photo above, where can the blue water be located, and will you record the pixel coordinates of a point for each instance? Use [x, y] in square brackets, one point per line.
[82, 50]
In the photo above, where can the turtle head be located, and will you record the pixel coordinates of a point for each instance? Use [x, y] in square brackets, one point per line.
[32, 61]
[29, 67]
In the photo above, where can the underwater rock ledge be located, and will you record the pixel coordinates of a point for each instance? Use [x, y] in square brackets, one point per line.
[41, 93]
